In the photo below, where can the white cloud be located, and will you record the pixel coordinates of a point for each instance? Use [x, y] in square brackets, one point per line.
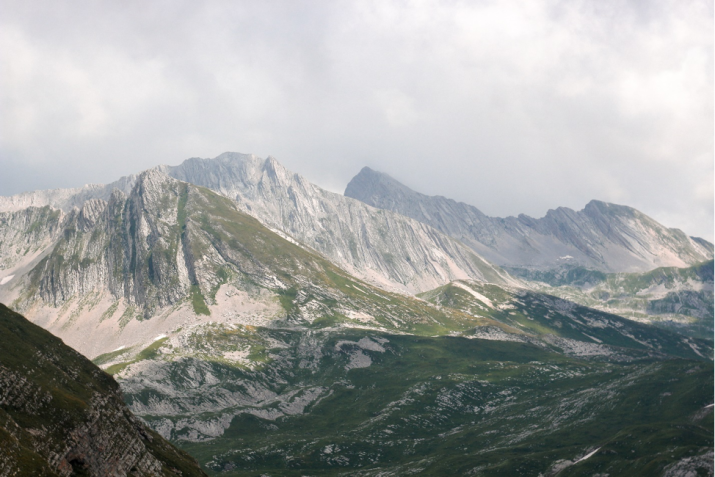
[511, 106]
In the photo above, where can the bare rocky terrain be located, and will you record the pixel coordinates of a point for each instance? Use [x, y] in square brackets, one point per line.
[381, 247]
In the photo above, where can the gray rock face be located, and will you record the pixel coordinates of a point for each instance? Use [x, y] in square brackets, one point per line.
[603, 236]
[151, 248]
[376, 245]
[26, 232]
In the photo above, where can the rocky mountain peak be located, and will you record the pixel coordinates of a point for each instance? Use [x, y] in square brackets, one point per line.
[599, 208]
[151, 181]
[276, 174]
[372, 185]
[367, 178]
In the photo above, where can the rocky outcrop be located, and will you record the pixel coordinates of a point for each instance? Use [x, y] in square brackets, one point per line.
[25, 232]
[61, 415]
[149, 248]
[128, 245]
[602, 236]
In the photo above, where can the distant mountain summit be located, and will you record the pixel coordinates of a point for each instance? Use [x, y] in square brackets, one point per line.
[602, 236]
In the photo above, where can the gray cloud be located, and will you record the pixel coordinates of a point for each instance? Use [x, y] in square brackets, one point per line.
[510, 106]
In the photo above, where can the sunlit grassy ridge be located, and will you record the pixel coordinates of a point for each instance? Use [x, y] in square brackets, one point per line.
[251, 252]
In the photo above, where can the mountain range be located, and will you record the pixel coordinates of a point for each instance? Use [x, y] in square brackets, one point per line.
[602, 236]
[384, 248]
[268, 326]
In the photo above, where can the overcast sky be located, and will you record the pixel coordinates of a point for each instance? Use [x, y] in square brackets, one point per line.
[511, 106]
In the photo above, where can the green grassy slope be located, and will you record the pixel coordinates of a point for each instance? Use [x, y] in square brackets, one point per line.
[455, 406]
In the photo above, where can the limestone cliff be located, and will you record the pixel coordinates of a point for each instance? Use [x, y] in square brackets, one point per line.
[382, 247]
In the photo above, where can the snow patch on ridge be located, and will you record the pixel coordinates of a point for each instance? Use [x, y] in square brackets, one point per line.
[475, 294]
[590, 454]
[283, 235]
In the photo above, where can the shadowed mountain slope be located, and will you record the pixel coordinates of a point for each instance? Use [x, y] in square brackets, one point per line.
[60, 415]
[436, 406]
[573, 328]
[679, 299]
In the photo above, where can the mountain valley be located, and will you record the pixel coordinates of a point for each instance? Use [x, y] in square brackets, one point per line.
[269, 327]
